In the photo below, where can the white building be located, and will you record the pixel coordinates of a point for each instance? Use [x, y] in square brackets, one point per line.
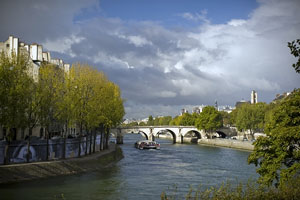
[254, 97]
[227, 109]
[183, 110]
[34, 51]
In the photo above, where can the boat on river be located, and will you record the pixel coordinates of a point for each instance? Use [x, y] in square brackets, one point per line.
[147, 144]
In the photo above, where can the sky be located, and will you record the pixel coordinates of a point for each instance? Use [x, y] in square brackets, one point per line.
[171, 54]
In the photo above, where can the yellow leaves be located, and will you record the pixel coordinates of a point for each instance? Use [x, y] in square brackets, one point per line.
[96, 100]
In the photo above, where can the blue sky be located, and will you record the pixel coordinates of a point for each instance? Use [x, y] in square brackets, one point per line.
[168, 12]
[169, 54]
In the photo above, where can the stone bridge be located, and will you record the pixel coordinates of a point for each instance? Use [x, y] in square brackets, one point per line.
[178, 132]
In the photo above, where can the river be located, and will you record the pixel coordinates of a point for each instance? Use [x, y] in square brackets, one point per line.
[143, 174]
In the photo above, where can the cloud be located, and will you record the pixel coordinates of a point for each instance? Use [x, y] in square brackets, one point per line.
[36, 21]
[138, 41]
[63, 45]
[202, 16]
[162, 69]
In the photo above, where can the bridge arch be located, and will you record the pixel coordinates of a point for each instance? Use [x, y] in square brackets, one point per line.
[144, 134]
[221, 134]
[195, 135]
[156, 134]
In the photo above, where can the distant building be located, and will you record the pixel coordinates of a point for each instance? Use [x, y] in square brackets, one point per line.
[254, 97]
[239, 103]
[183, 110]
[34, 51]
[227, 109]
[279, 97]
[198, 109]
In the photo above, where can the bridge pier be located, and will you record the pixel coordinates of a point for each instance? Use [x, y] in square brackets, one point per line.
[179, 139]
[151, 136]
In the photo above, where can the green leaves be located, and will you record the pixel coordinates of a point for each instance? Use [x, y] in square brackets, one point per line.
[209, 119]
[250, 116]
[295, 50]
[278, 154]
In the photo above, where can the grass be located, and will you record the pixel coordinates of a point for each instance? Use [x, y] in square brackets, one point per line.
[251, 191]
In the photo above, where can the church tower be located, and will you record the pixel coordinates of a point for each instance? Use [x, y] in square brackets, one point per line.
[253, 97]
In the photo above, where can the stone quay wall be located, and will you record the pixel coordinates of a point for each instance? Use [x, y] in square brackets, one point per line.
[237, 144]
[37, 170]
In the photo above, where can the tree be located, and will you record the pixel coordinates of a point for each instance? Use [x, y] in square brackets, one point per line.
[295, 50]
[156, 121]
[15, 88]
[250, 117]
[150, 121]
[225, 118]
[50, 79]
[232, 117]
[187, 119]
[278, 154]
[165, 120]
[175, 121]
[142, 124]
[209, 120]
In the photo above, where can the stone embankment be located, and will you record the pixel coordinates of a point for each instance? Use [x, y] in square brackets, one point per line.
[237, 144]
[30, 171]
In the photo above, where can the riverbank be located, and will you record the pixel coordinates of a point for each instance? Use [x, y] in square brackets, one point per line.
[30, 171]
[236, 144]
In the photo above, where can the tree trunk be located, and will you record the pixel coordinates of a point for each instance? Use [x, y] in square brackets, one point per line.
[6, 159]
[47, 144]
[65, 139]
[86, 142]
[107, 138]
[101, 139]
[91, 140]
[28, 150]
[94, 144]
[28, 155]
[79, 143]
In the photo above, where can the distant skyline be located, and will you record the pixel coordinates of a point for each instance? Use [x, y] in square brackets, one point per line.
[171, 54]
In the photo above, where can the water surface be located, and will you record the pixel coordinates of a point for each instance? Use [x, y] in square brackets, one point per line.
[143, 174]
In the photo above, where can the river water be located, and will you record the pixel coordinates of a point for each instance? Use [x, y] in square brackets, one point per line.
[144, 174]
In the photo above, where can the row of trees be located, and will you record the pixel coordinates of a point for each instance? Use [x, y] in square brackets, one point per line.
[83, 98]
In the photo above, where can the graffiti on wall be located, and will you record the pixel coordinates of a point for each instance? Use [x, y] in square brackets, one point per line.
[18, 151]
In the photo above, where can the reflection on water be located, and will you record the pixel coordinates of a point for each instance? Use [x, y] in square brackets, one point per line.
[143, 174]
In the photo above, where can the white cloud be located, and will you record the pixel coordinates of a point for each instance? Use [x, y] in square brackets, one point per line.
[63, 45]
[136, 40]
[202, 16]
[237, 22]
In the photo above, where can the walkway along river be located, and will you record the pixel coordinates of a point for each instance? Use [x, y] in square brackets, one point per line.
[143, 174]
